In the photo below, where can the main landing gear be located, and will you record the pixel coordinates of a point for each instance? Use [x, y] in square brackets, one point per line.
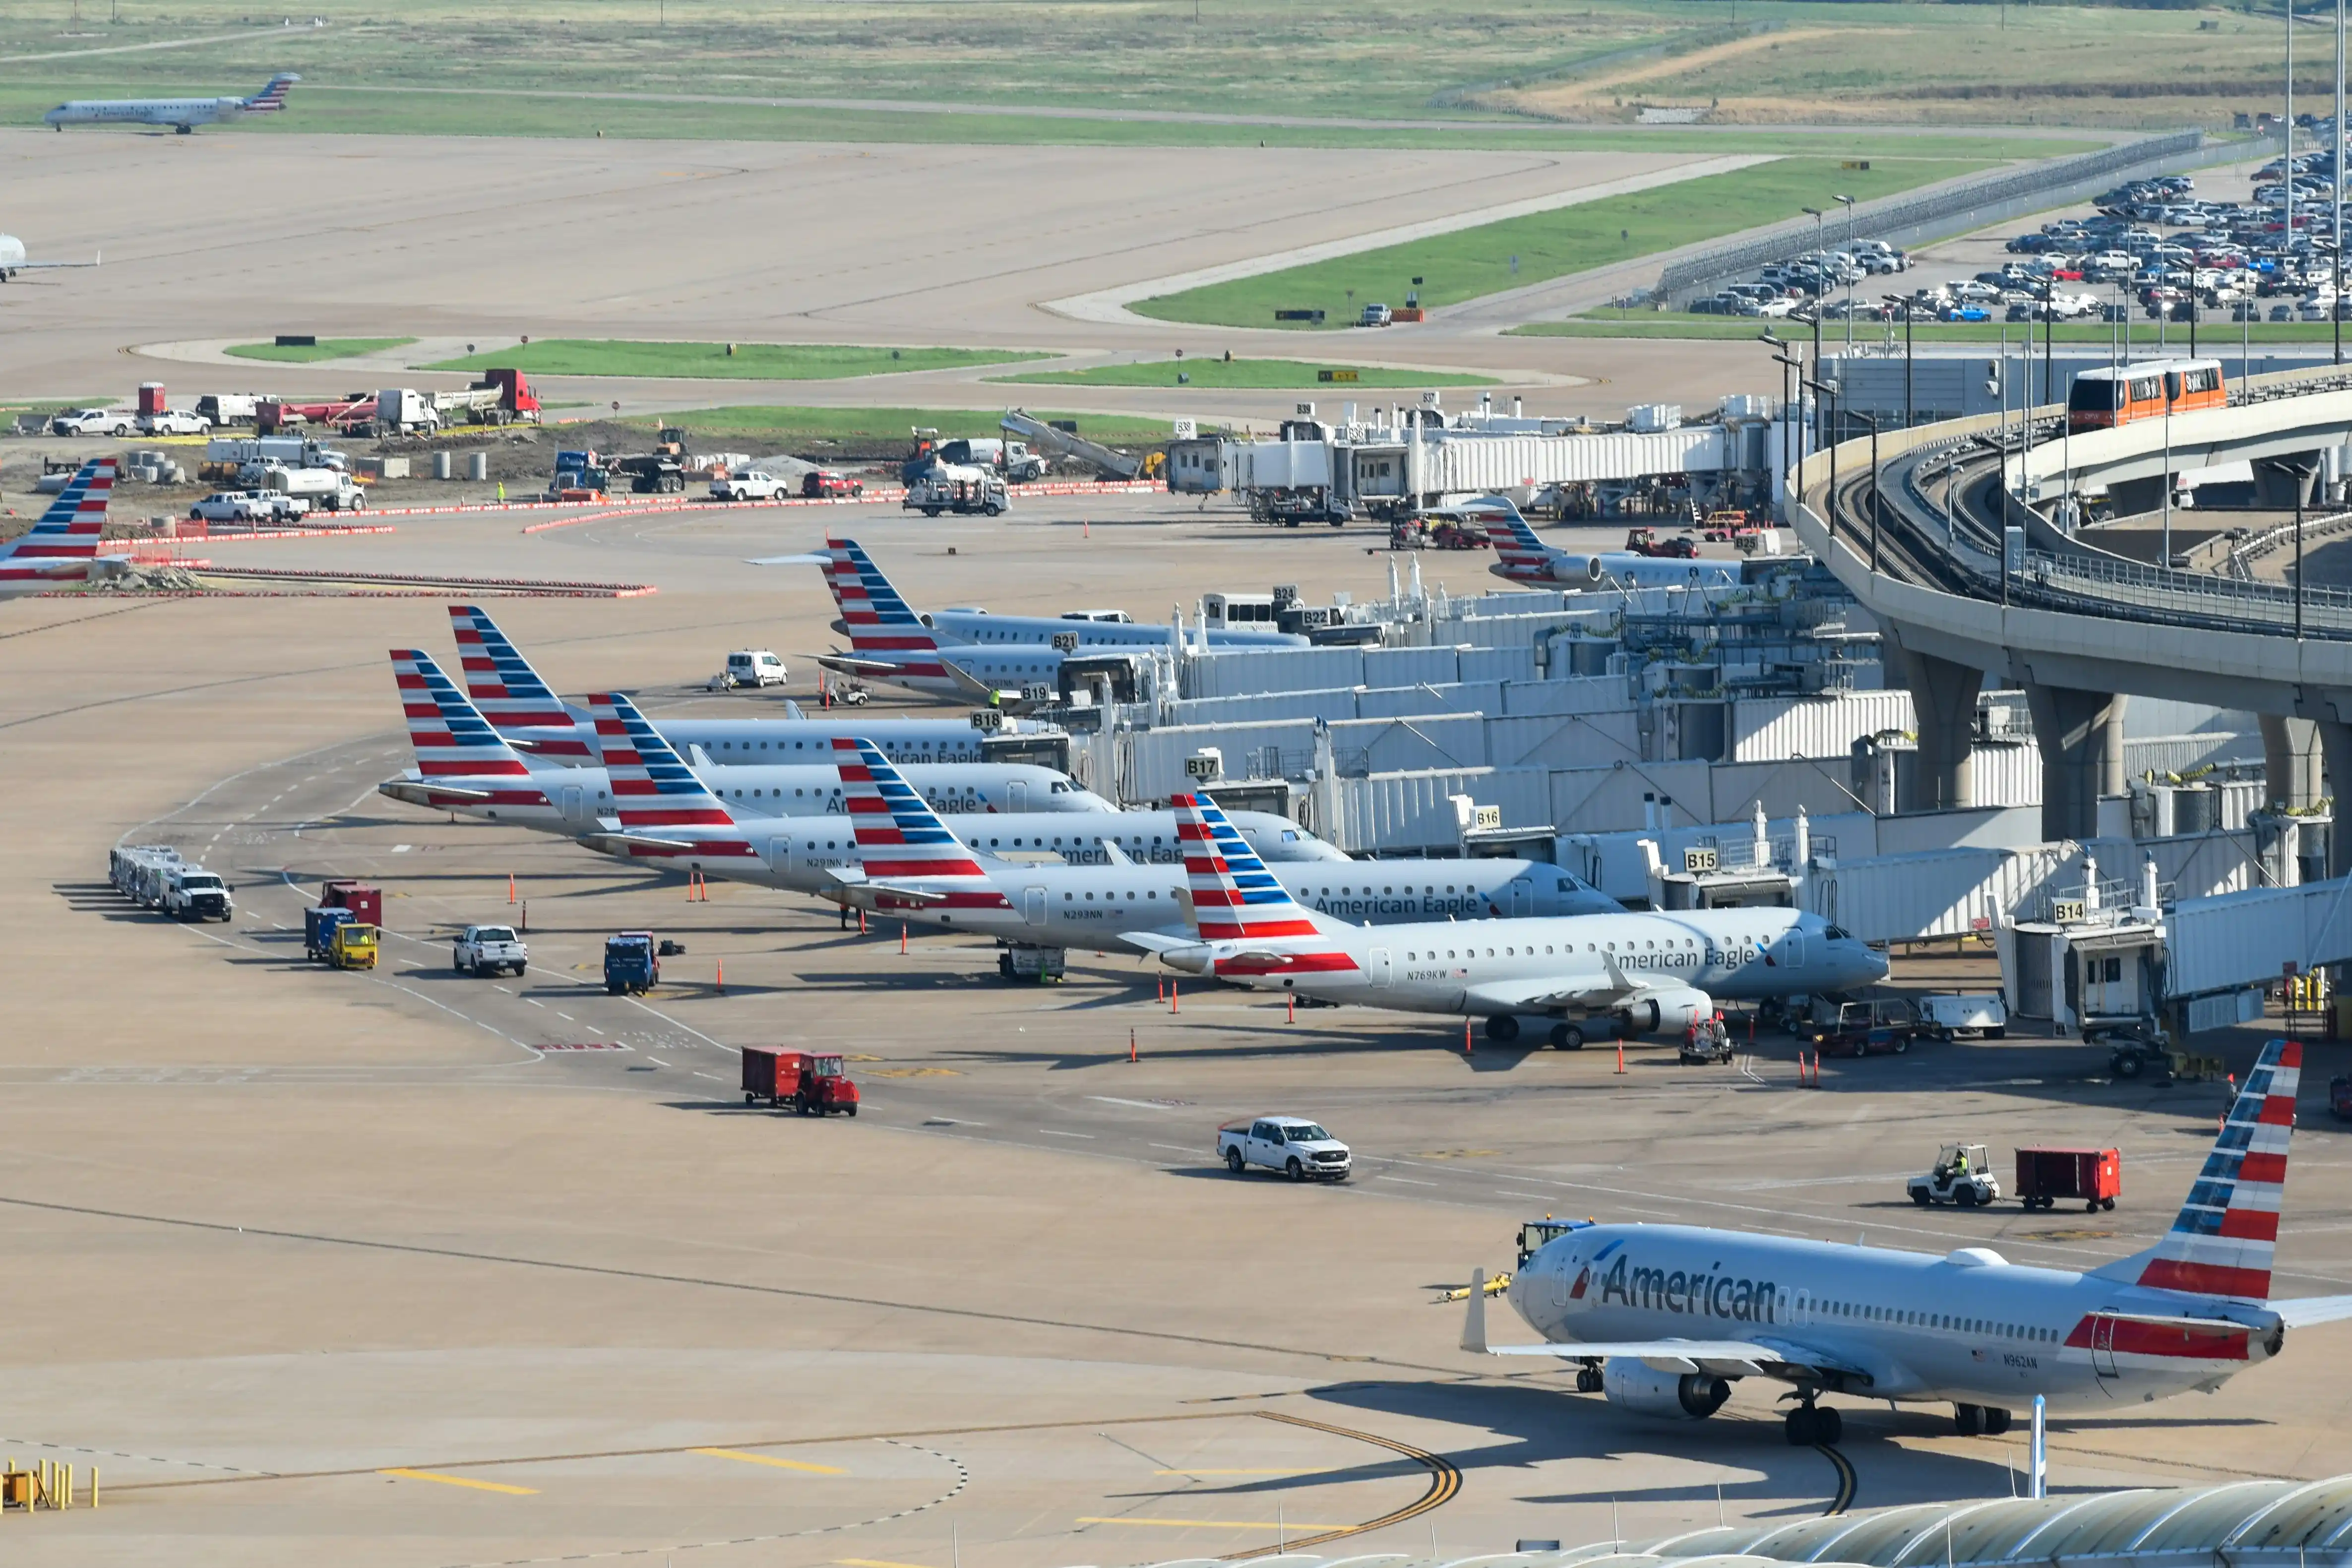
[1810, 1423]
[1970, 1419]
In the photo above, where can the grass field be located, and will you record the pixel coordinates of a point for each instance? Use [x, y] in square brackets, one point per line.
[1471, 262]
[1217, 374]
[750, 362]
[882, 429]
[2213, 336]
[311, 353]
[441, 66]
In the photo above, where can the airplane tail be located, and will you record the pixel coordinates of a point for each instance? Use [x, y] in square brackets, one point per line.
[880, 621]
[69, 529]
[511, 694]
[1518, 552]
[1233, 896]
[452, 739]
[900, 838]
[652, 787]
[2221, 1244]
[273, 96]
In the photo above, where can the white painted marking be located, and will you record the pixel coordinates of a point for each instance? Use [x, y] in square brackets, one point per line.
[1179, 1148]
[1408, 1181]
[1137, 1104]
[1050, 1132]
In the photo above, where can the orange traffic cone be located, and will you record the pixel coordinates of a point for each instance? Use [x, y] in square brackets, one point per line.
[1175, 1003]
[511, 888]
[861, 922]
[1290, 1006]
[1467, 1048]
[1130, 1044]
[722, 979]
[902, 937]
[1621, 1056]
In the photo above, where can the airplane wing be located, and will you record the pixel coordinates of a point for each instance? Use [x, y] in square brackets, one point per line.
[1537, 996]
[96, 256]
[1755, 1357]
[2308, 1311]
[854, 881]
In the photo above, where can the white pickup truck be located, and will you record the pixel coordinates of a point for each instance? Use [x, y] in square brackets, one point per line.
[486, 950]
[192, 893]
[1291, 1144]
[748, 486]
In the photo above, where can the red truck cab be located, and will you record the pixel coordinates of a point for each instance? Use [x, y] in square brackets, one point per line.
[812, 1081]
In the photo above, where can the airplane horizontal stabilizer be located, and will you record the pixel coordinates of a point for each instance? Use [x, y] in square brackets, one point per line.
[2308, 1311]
[621, 843]
[415, 792]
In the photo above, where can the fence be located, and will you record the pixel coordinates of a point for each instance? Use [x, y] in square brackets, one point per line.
[1953, 209]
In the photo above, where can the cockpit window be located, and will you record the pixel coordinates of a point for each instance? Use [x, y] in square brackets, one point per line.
[1834, 935]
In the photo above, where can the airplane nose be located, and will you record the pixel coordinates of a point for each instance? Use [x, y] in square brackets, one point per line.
[1877, 961]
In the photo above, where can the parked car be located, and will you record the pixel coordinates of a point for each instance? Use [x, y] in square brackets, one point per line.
[1375, 316]
[747, 487]
[824, 483]
[231, 506]
[91, 422]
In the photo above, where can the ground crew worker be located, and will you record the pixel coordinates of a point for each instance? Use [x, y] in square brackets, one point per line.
[1960, 1164]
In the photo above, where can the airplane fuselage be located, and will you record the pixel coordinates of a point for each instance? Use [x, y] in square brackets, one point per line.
[145, 112]
[571, 800]
[979, 628]
[1964, 1327]
[1723, 954]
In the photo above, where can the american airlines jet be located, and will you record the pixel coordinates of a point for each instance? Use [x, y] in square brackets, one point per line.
[13, 260]
[184, 114]
[1662, 1319]
[1523, 558]
[669, 818]
[524, 709]
[61, 548]
[1630, 973]
[912, 864]
[968, 652]
[463, 766]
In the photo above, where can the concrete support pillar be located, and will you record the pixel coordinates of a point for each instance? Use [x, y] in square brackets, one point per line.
[2278, 480]
[2133, 497]
[2081, 734]
[2335, 743]
[2291, 762]
[1944, 699]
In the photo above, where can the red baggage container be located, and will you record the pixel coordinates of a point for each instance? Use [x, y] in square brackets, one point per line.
[151, 397]
[812, 1081]
[2094, 1175]
[364, 899]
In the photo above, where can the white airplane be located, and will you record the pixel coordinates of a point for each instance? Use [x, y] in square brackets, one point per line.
[667, 816]
[524, 709]
[13, 259]
[968, 652]
[1664, 1318]
[463, 765]
[912, 864]
[62, 547]
[1522, 557]
[1625, 972]
[183, 114]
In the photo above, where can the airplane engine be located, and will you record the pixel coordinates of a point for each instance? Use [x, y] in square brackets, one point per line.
[1678, 1396]
[1667, 1012]
[1594, 571]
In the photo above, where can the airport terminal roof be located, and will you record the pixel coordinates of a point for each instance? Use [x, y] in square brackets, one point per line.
[2238, 1524]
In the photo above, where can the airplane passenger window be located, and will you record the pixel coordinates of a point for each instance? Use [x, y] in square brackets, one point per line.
[1067, 898]
[1090, 898]
[1449, 952]
[1153, 894]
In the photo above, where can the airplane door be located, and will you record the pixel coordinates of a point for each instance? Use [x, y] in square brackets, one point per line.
[572, 803]
[1792, 952]
[1523, 897]
[780, 855]
[1802, 1308]
[1016, 795]
[2103, 1345]
[1032, 902]
[1380, 968]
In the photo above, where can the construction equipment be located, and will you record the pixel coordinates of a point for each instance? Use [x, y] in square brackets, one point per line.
[1068, 443]
[1959, 1177]
[670, 442]
[1645, 541]
[652, 473]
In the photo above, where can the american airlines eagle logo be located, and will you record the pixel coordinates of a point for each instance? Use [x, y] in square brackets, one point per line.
[1583, 1278]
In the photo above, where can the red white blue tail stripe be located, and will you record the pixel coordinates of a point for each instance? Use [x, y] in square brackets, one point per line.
[1518, 554]
[453, 743]
[272, 97]
[902, 841]
[509, 693]
[881, 624]
[655, 793]
[1234, 897]
[2222, 1242]
[68, 531]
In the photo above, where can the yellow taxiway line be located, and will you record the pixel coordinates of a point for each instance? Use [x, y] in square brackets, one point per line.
[462, 1481]
[779, 1464]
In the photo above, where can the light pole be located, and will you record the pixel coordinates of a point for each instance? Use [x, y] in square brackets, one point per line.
[1907, 400]
[2171, 391]
[1786, 363]
[1847, 203]
[1827, 391]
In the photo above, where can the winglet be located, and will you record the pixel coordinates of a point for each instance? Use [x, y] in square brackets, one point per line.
[1474, 1322]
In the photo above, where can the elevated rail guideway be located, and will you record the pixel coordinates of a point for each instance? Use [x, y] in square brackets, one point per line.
[1945, 533]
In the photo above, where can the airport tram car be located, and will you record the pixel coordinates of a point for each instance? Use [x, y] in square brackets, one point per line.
[2123, 395]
